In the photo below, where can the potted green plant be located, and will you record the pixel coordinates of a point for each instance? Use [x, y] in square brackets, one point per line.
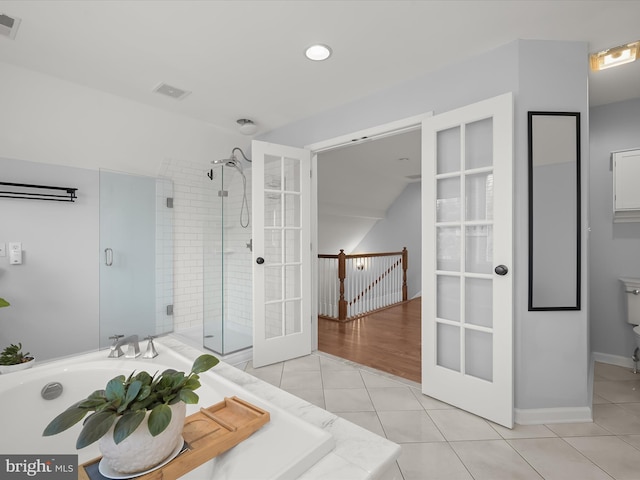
[138, 419]
[11, 358]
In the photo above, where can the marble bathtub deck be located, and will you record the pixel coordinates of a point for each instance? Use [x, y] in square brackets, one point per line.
[359, 454]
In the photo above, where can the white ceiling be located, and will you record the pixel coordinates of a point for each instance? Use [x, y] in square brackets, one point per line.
[245, 58]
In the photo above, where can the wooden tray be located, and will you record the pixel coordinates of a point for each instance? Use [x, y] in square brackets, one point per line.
[207, 433]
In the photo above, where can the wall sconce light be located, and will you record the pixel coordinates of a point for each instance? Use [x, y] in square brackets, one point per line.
[359, 265]
[614, 56]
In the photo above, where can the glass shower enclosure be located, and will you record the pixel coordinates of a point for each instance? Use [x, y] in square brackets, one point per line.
[227, 320]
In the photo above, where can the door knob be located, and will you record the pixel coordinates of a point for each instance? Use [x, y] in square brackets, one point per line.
[501, 270]
[259, 260]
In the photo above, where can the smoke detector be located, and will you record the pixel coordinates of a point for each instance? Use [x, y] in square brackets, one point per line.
[169, 91]
[9, 26]
[247, 127]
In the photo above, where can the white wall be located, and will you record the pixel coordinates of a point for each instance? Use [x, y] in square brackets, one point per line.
[58, 123]
[400, 228]
[54, 293]
[614, 246]
[551, 349]
[45, 119]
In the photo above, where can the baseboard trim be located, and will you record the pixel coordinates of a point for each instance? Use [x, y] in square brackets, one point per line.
[538, 416]
[612, 359]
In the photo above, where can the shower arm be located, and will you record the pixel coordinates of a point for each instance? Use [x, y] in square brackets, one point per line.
[241, 152]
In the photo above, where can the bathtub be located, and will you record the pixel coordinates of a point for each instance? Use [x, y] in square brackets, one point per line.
[284, 448]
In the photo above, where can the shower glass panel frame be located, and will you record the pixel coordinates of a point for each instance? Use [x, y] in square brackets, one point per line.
[227, 270]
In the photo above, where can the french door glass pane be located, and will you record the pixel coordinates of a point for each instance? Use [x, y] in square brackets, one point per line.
[292, 282]
[448, 201]
[273, 246]
[292, 210]
[272, 172]
[448, 249]
[273, 320]
[479, 248]
[293, 317]
[273, 288]
[272, 209]
[292, 253]
[479, 354]
[448, 298]
[479, 196]
[479, 143]
[448, 346]
[448, 150]
[478, 301]
[292, 174]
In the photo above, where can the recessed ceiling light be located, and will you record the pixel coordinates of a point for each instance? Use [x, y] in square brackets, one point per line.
[317, 52]
[614, 56]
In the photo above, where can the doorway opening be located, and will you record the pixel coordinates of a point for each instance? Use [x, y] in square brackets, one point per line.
[368, 201]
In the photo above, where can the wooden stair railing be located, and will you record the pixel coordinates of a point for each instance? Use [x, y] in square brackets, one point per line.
[357, 294]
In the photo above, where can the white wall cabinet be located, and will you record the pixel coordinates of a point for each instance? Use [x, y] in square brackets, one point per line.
[626, 186]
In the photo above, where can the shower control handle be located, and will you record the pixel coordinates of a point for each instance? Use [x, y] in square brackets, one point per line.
[259, 260]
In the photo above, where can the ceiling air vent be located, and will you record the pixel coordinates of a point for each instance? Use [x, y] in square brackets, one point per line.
[170, 91]
[9, 26]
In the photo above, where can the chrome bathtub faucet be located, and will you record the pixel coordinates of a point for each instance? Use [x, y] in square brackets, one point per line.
[151, 348]
[133, 349]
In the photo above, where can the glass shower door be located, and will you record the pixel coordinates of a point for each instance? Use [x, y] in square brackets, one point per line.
[227, 322]
[136, 256]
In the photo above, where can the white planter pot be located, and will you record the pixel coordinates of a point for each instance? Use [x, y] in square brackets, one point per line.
[141, 451]
[17, 367]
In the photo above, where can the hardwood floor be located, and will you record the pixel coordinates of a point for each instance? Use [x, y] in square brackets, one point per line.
[388, 340]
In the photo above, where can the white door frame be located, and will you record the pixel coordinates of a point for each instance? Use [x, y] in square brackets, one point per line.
[366, 135]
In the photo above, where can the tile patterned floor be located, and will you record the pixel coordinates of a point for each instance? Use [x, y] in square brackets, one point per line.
[442, 442]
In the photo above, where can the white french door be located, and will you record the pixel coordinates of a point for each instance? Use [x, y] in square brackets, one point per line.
[467, 314]
[281, 249]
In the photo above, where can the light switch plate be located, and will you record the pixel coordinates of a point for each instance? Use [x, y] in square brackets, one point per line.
[3, 249]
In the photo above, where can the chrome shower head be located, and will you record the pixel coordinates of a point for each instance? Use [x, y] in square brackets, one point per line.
[229, 162]
[233, 162]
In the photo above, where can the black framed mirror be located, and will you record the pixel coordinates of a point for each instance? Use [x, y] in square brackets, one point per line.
[554, 210]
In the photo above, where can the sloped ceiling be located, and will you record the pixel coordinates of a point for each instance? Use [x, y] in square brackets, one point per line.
[363, 180]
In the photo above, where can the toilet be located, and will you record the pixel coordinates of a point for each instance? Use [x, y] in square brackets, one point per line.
[632, 294]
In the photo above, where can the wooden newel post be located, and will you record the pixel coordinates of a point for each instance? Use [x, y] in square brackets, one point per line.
[342, 303]
[405, 265]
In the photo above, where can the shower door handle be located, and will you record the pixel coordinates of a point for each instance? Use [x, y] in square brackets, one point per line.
[259, 260]
[108, 257]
